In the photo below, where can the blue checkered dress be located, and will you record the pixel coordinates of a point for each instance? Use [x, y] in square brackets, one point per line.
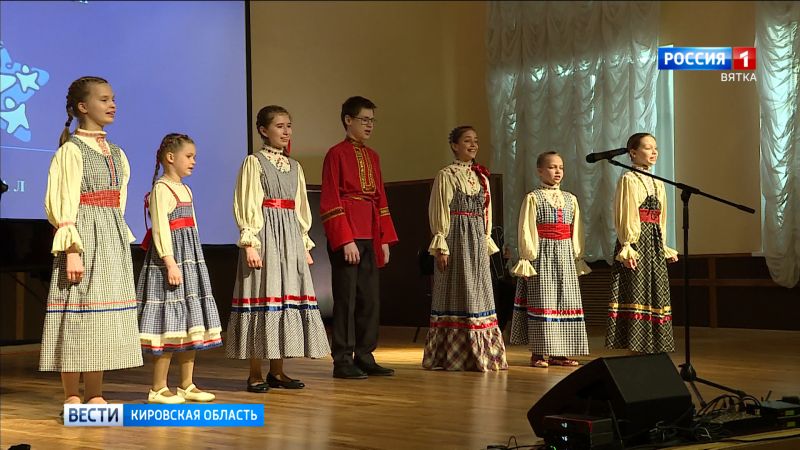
[548, 311]
[274, 311]
[91, 326]
[183, 317]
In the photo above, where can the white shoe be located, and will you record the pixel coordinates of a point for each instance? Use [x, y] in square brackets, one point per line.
[195, 396]
[159, 397]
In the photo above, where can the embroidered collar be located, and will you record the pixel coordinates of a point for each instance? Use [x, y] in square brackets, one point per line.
[553, 195]
[276, 158]
[355, 143]
[555, 187]
[464, 171]
[98, 136]
[270, 149]
[644, 168]
[646, 181]
[90, 134]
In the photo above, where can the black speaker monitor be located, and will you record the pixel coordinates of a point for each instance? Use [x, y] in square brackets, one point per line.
[639, 391]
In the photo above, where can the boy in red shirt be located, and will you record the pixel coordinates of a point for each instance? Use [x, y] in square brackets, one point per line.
[359, 230]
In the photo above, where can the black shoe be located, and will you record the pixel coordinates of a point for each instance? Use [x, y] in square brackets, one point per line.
[275, 382]
[375, 370]
[257, 387]
[349, 372]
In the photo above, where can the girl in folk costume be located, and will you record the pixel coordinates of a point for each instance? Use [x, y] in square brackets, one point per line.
[548, 313]
[90, 323]
[640, 312]
[463, 334]
[177, 312]
[274, 314]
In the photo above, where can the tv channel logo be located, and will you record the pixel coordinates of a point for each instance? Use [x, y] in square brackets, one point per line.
[86, 415]
[706, 58]
[158, 415]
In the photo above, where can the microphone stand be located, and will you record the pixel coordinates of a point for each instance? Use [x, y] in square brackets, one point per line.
[688, 374]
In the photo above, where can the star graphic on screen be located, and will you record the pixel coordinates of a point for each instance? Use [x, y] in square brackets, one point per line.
[27, 80]
[16, 118]
[18, 83]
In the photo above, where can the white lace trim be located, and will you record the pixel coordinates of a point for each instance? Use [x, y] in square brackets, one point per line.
[277, 158]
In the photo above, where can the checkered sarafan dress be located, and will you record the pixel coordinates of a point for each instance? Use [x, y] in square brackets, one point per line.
[463, 332]
[91, 326]
[548, 312]
[640, 311]
[183, 317]
[274, 313]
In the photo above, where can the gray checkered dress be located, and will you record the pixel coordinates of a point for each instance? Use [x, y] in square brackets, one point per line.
[183, 317]
[640, 313]
[91, 326]
[548, 312]
[463, 332]
[274, 313]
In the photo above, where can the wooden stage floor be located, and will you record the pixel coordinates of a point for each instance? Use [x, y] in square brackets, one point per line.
[414, 409]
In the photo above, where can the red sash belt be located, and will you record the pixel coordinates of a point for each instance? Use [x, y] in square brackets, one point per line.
[465, 213]
[650, 215]
[176, 224]
[278, 203]
[555, 231]
[376, 225]
[108, 198]
[181, 222]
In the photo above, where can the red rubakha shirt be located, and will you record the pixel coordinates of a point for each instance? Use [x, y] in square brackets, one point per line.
[353, 201]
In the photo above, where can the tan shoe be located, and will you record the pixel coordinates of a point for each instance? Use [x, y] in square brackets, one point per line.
[159, 397]
[563, 361]
[195, 396]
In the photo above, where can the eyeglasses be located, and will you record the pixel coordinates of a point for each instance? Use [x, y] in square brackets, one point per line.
[366, 120]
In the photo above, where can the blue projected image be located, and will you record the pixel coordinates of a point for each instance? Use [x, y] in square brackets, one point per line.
[18, 83]
[174, 66]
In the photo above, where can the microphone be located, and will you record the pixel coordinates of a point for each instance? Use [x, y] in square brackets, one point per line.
[594, 157]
